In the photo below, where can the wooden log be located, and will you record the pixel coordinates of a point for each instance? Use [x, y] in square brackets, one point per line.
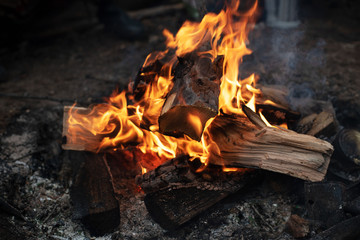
[323, 124]
[90, 143]
[93, 196]
[195, 93]
[175, 193]
[242, 144]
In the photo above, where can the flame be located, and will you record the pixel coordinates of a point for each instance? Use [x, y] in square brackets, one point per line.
[264, 120]
[120, 123]
[143, 170]
[196, 123]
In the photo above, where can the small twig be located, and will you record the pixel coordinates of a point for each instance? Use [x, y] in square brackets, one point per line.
[262, 218]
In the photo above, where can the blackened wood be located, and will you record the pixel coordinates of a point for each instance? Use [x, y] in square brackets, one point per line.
[324, 202]
[93, 197]
[242, 144]
[348, 229]
[346, 158]
[347, 145]
[180, 173]
[175, 193]
[173, 208]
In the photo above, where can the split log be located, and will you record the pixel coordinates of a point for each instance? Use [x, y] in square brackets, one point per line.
[175, 193]
[242, 144]
[322, 124]
[93, 196]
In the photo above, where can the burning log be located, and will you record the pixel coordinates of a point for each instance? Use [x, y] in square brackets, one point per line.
[242, 144]
[195, 93]
[175, 193]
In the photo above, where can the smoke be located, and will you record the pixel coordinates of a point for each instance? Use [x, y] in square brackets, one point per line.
[291, 58]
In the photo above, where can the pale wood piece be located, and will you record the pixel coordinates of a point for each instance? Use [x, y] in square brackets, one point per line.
[324, 121]
[242, 144]
[90, 141]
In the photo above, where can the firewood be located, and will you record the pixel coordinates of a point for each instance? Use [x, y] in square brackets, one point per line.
[175, 193]
[93, 196]
[322, 124]
[242, 144]
[195, 93]
[90, 144]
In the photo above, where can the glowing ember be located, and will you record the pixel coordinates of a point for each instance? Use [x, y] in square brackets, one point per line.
[118, 122]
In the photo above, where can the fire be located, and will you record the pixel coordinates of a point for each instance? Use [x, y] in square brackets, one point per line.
[126, 121]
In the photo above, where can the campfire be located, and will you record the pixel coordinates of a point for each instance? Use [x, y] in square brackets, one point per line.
[193, 123]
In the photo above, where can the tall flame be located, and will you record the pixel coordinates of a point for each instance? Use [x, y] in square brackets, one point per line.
[223, 34]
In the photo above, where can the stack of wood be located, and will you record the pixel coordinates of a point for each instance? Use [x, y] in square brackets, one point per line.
[175, 192]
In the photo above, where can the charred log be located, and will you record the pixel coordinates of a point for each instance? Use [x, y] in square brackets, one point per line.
[175, 193]
[93, 196]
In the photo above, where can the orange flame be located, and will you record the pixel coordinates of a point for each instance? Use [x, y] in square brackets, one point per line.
[118, 123]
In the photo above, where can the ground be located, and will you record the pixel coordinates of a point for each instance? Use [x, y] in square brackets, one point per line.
[319, 59]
